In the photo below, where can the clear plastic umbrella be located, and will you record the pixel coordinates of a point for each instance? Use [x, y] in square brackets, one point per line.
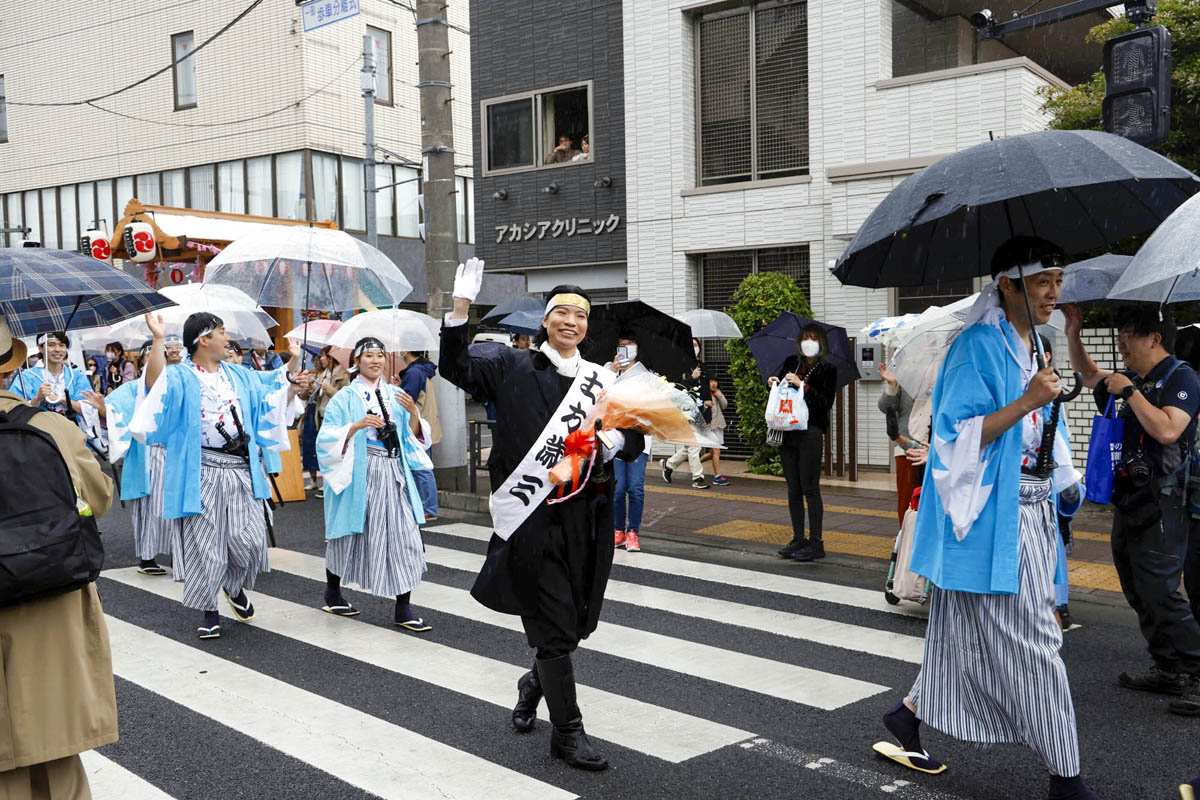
[1170, 254]
[316, 332]
[399, 330]
[299, 267]
[891, 331]
[709, 324]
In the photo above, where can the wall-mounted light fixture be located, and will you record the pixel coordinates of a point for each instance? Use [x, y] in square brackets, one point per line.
[500, 194]
[603, 183]
[551, 189]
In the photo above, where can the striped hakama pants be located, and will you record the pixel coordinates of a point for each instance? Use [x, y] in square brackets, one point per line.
[992, 672]
[225, 545]
[151, 533]
[388, 557]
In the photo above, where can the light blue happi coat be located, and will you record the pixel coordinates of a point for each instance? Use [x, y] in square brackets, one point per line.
[976, 489]
[28, 381]
[344, 466]
[169, 414]
[119, 407]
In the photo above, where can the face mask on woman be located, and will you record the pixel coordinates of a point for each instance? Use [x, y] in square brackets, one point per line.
[810, 348]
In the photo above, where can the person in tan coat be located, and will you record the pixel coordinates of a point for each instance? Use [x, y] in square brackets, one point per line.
[56, 679]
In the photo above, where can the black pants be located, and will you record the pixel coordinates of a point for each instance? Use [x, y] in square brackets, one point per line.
[802, 454]
[555, 630]
[1149, 560]
[1191, 568]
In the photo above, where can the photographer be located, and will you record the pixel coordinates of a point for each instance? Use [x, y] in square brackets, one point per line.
[1150, 514]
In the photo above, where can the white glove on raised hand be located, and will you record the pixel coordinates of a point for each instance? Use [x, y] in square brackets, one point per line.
[468, 278]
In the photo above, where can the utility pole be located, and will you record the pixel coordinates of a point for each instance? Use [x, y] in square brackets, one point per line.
[441, 221]
[368, 92]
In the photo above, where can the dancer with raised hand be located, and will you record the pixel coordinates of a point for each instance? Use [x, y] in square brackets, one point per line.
[366, 446]
[552, 548]
[214, 419]
[987, 537]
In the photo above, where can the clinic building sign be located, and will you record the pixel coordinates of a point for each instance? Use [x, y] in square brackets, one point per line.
[557, 228]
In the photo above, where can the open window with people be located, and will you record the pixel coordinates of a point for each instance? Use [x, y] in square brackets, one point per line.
[548, 127]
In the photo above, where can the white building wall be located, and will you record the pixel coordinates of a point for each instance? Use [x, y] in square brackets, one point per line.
[858, 117]
[72, 50]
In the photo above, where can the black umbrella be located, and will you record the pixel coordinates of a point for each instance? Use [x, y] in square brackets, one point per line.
[511, 307]
[664, 343]
[1081, 190]
[772, 346]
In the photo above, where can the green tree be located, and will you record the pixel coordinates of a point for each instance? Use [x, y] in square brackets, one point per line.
[1079, 107]
[758, 300]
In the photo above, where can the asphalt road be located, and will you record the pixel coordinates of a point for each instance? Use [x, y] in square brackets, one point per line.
[716, 673]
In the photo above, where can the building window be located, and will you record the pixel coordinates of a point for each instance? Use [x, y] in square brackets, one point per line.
[3, 112]
[148, 189]
[289, 186]
[752, 92]
[354, 203]
[231, 187]
[408, 211]
[174, 193]
[106, 211]
[69, 214]
[258, 183]
[382, 50]
[720, 276]
[50, 218]
[915, 299]
[385, 199]
[184, 70]
[33, 215]
[202, 188]
[325, 187]
[86, 193]
[550, 127]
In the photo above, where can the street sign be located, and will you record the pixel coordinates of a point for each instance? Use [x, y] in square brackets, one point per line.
[319, 13]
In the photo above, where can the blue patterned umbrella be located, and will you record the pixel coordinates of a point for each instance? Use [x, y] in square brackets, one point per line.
[47, 290]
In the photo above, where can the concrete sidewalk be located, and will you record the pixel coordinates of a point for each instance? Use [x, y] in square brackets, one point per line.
[860, 521]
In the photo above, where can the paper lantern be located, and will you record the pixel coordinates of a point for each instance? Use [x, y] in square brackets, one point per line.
[139, 242]
[95, 243]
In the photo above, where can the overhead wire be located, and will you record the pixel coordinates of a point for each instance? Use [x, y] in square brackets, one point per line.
[253, 5]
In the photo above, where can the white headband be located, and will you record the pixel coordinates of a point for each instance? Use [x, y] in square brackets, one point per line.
[1033, 268]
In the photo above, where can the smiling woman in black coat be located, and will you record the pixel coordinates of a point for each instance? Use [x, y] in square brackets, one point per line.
[553, 570]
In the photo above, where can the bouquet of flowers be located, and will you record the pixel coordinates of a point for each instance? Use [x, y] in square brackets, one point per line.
[643, 402]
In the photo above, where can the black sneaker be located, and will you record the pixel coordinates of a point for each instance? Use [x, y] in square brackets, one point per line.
[810, 552]
[1155, 680]
[699, 483]
[1188, 705]
[666, 470]
[791, 547]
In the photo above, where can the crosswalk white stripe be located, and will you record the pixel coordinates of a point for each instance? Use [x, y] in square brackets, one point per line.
[732, 576]
[659, 732]
[110, 781]
[357, 748]
[796, 626]
[786, 681]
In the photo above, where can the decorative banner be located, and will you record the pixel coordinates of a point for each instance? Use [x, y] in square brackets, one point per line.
[139, 242]
[95, 243]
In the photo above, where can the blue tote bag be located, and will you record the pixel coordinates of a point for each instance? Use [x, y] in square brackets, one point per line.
[1104, 454]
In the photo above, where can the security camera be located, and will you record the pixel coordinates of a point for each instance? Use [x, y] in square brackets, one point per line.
[981, 19]
[551, 189]
[500, 194]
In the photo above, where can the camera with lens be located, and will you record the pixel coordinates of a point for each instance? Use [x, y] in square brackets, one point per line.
[1137, 469]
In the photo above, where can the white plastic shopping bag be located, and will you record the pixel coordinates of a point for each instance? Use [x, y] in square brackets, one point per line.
[786, 409]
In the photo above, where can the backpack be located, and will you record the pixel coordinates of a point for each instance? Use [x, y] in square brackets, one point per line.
[49, 541]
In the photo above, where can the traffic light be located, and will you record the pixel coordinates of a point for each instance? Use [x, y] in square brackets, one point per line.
[1137, 75]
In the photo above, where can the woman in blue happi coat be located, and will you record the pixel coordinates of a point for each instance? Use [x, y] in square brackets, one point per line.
[987, 538]
[367, 450]
[215, 420]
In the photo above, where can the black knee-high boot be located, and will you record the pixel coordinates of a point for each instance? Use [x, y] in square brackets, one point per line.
[529, 694]
[568, 740]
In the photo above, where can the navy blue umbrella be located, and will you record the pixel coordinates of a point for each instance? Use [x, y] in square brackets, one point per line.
[1081, 190]
[776, 342]
[48, 290]
[512, 306]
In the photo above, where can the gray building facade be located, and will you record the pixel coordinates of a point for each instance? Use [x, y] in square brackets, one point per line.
[549, 149]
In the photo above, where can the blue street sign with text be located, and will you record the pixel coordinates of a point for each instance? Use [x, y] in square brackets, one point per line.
[319, 13]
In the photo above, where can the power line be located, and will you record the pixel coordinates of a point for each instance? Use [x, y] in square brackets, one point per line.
[152, 75]
[281, 109]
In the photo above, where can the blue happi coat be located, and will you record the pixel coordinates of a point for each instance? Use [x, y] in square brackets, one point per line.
[169, 414]
[27, 382]
[344, 466]
[976, 489]
[119, 407]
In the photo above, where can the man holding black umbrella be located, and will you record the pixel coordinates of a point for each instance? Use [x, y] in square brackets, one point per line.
[987, 538]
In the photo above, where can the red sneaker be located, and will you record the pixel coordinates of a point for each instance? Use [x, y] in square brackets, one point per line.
[631, 542]
[618, 538]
